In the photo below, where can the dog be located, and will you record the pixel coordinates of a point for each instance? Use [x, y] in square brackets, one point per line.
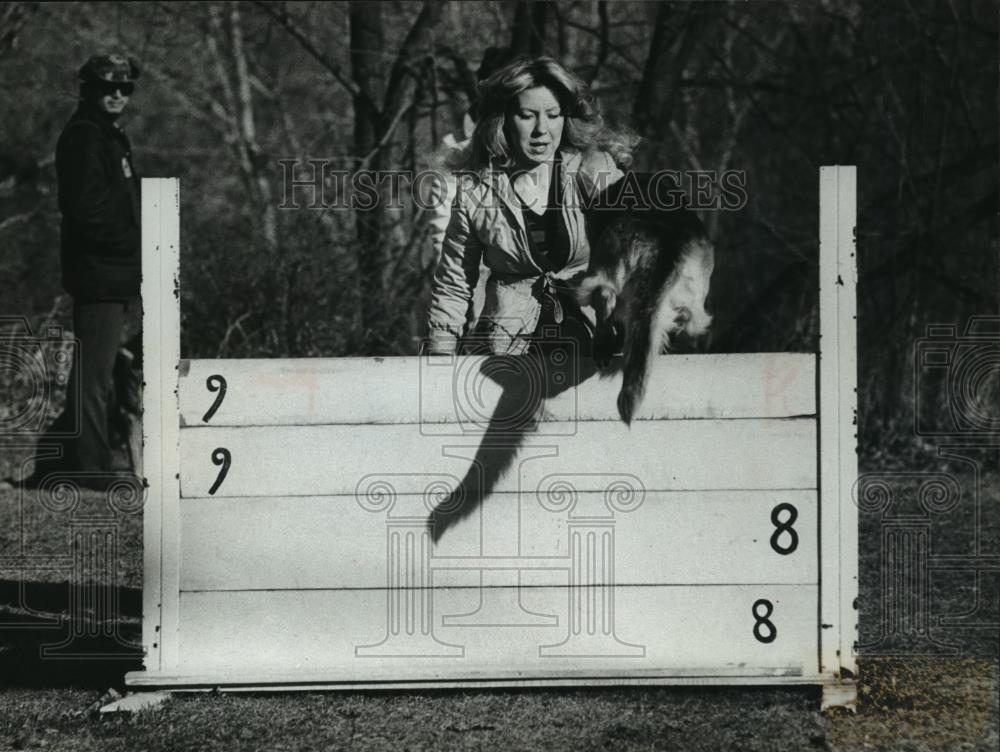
[648, 278]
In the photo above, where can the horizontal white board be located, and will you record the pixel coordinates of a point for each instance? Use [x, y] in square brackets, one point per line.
[336, 459]
[301, 680]
[469, 632]
[444, 390]
[700, 537]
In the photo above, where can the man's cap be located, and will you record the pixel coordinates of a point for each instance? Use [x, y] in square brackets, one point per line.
[111, 68]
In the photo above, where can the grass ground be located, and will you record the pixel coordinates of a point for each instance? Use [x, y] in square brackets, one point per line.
[906, 705]
[905, 702]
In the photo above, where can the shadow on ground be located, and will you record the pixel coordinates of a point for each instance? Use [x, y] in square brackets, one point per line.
[57, 635]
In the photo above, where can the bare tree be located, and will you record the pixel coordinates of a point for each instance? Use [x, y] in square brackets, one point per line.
[224, 42]
[528, 30]
[669, 52]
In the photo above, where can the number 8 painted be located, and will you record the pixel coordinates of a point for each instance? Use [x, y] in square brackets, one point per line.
[784, 527]
[763, 620]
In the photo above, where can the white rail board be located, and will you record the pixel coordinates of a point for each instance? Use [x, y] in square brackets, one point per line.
[662, 455]
[306, 680]
[701, 537]
[346, 631]
[445, 390]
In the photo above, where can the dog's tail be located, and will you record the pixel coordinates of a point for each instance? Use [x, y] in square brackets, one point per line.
[638, 346]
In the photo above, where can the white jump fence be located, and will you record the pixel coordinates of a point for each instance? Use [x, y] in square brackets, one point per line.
[286, 528]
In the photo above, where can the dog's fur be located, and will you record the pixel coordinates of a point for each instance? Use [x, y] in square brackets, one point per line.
[647, 280]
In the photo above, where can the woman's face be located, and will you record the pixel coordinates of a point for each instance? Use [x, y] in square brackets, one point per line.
[537, 125]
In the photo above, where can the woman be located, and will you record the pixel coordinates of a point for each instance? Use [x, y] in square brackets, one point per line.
[535, 158]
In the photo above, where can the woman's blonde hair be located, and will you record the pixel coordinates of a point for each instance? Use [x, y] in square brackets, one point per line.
[584, 129]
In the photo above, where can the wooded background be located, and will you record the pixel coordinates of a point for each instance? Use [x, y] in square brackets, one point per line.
[905, 89]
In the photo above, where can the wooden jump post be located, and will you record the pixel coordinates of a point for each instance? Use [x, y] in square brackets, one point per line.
[286, 528]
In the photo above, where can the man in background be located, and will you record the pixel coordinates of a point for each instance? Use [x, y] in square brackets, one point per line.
[100, 253]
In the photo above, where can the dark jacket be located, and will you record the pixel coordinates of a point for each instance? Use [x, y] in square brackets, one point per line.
[99, 201]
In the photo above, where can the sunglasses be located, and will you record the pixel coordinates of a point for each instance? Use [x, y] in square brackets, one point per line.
[107, 88]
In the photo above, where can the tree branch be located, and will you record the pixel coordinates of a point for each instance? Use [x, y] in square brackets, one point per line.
[416, 37]
[363, 165]
[285, 20]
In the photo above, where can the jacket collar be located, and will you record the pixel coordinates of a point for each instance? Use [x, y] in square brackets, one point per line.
[92, 113]
[498, 180]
